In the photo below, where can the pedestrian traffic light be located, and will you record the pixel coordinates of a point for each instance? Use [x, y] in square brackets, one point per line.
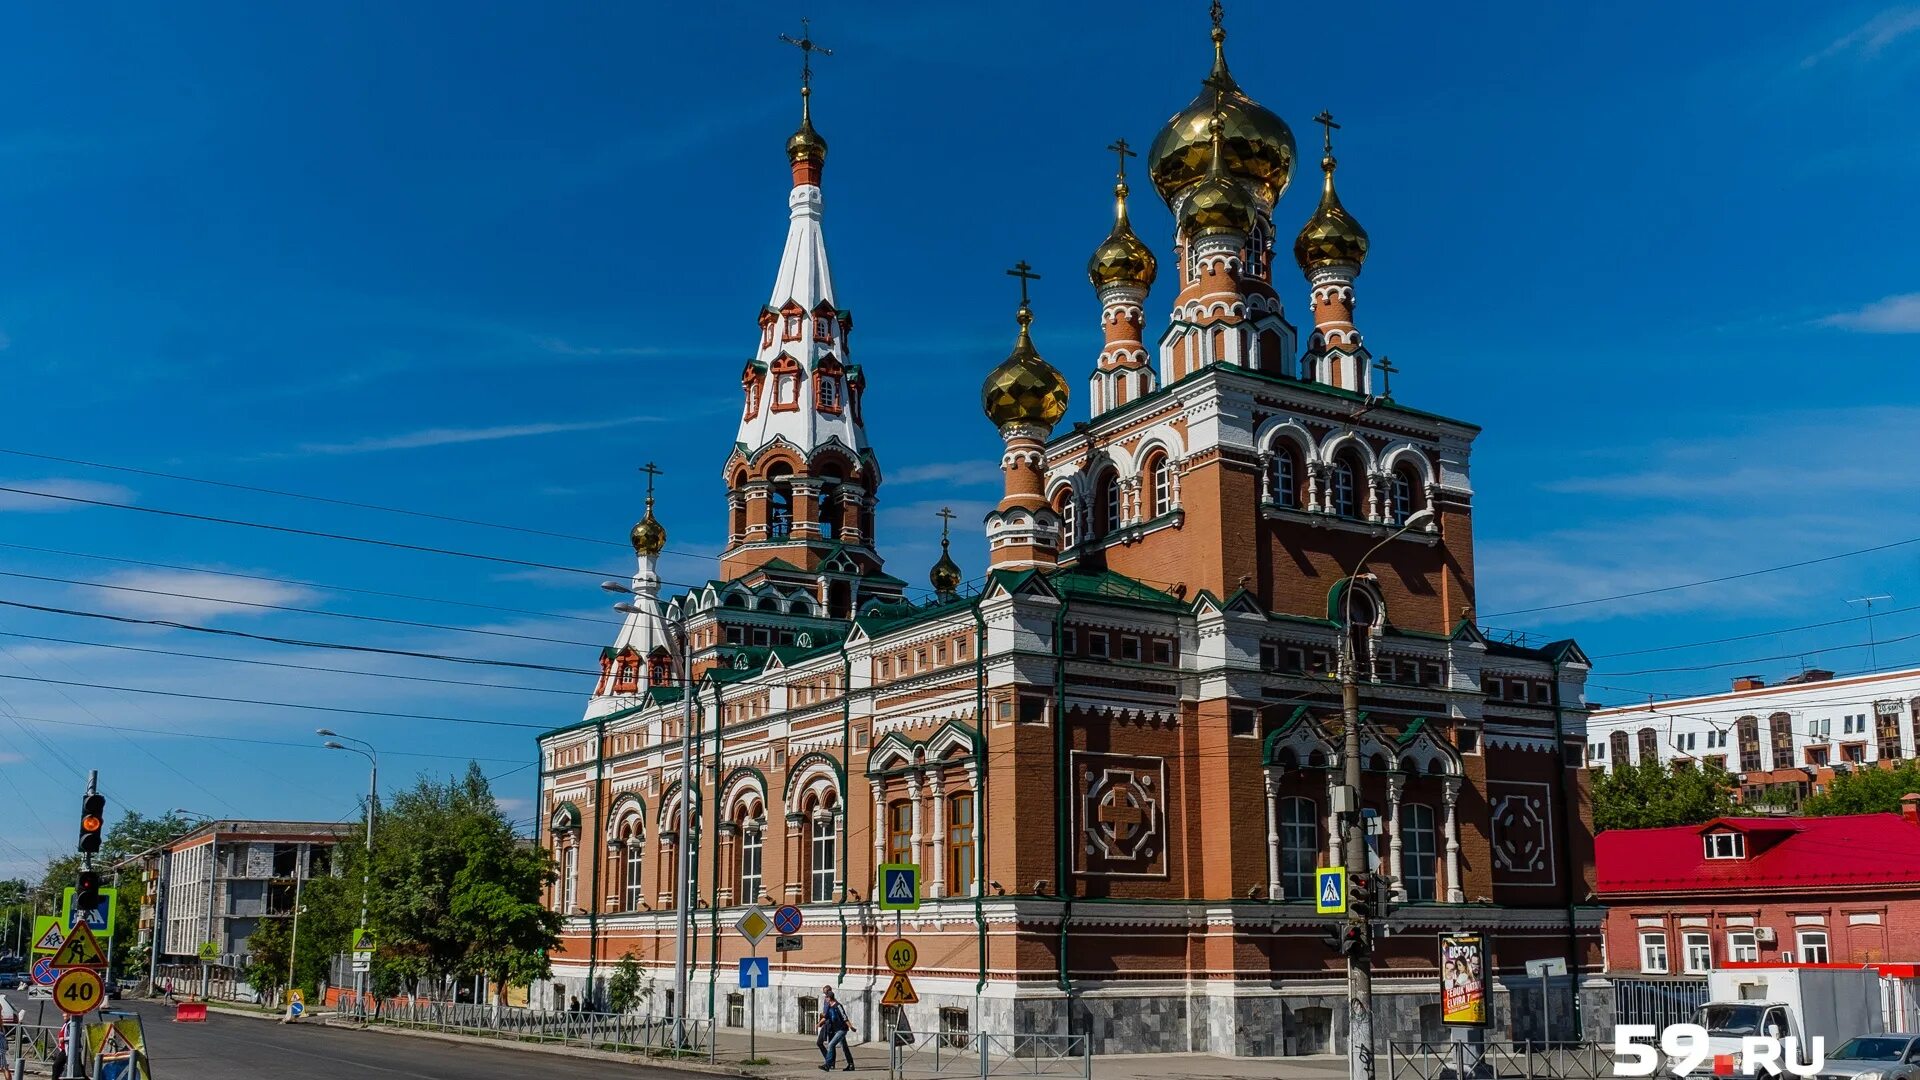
[1353, 940]
[86, 890]
[1360, 894]
[93, 811]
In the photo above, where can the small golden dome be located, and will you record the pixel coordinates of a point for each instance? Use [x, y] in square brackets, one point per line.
[806, 144]
[1121, 259]
[1218, 203]
[945, 574]
[1258, 145]
[649, 536]
[1331, 235]
[1024, 389]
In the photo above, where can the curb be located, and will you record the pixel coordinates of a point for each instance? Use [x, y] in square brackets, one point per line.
[547, 1048]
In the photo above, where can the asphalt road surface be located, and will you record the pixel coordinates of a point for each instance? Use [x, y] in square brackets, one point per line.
[242, 1048]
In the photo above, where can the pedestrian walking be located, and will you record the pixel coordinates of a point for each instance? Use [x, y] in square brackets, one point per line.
[835, 1026]
[8, 1018]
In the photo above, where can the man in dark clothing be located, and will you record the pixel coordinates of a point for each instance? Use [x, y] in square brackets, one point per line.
[834, 1029]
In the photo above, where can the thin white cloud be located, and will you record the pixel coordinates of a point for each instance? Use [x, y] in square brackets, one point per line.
[1872, 37]
[1899, 314]
[954, 472]
[71, 489]
[202, 595]
[416, 440]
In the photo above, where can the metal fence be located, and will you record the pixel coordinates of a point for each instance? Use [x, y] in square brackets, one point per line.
[28, 1043]
[984, 1054]
[1494, 1060]
[1659, 1002]
[632, 1032]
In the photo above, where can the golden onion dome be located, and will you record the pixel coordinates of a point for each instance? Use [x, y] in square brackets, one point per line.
[806, 144]
[649, 536]
[1218, 203]
[1121, 259]
[1258, 145]
[1331, 235]
[945, 574]
[1024, 389]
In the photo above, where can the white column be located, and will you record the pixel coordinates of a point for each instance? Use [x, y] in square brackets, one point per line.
[913, 802]
[936, 885]
[1275, 883]
[979, 831]
[879, 835]
[1396, 783]
[616, 882]
[1451, 793]
[1334, 847]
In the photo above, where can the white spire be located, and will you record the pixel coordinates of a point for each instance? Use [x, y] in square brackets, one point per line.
[804, 277]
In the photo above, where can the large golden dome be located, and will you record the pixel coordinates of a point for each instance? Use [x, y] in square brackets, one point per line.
[1218, 203]
[649, 536]
[1331, 235]
[1121, 259]
[945, 575]
[1258, 145]
[1024, 389]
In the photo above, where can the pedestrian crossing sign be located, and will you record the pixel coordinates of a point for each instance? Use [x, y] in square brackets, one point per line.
[362, 939]
[47, 935]
[899, 887]
[1330, 890]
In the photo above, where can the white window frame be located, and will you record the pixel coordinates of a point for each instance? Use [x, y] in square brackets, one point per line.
[635, 890]
[1066, 523]
[1725, 845]
[1807, 946]
[570, 880]
[1653, 952]
[1743, 946]
[1299, 845]
[1162, 486]
[1402, 498]
[1697, 952]
[1284, 478]
[1343, 490]
[823, 865]
[1419, 852]
[752, 863]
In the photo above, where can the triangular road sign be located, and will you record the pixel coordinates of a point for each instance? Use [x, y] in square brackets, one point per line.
[363, 940]
[901, 889]
[81, 949]
[50, 940]
[900, 992]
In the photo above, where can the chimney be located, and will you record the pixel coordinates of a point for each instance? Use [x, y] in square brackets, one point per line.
[1910, 807]
[1748, 682]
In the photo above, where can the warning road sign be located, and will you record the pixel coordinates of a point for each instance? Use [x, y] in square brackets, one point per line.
[900, 992]
[47, 934]
[81, 949]
[902, 956]
[79, 990]
[362, 939]
[899, 887]
[209, 952]
[1330, 890]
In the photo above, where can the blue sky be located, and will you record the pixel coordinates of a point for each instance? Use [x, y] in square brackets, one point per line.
[484, 263]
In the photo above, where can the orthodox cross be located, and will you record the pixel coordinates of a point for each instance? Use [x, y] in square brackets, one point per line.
[1325, 120]
[1216, 11]
[1386, 369]
[652, 471]
[946, 516]
[807, 47]
[1120, 147]
[1025, 273]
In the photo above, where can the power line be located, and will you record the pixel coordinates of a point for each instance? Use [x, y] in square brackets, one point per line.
[1756, 659]
[295, 667]
[296, 609]
[1694, 584]
[310, 584]
[278, 704]
[171, 624]
[1748, 637]
[125, 729]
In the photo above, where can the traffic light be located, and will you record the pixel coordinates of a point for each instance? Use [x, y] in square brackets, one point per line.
[1353, 939]
[1360, 894]
[93, 816]
[86, 891]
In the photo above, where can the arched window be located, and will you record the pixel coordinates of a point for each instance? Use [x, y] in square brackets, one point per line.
[1161, 473]
[1257, 250]
[633, 894]
[626, 674]
[828, 397]
[1418, 847]
[1620, 743]
[900, 831]
[1068, 539]
[1344, 488]
[823, 864]
[793, 326]
[822, 328]
[786, 383]
[750, 385]
[1284, 478]
[780, 501]
[752, 852]
[960, 825]
[1299, 846]
[1403, 497]
[1110, 505]
[570, 880]
[1649, 745]
[659, 668]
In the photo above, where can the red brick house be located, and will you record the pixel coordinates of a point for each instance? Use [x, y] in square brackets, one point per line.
[1764, 889]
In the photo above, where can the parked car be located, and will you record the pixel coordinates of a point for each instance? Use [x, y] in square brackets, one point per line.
[1874, 1057]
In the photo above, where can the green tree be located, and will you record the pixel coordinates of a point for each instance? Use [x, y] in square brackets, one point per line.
[1653, 795]
[1865, 791]
[267, 956]
[630, 985]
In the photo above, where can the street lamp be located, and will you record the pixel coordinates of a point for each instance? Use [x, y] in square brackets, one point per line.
[366, 869]
[1359, 962]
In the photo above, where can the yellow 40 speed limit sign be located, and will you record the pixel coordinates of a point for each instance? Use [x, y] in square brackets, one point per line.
[79, 990]
[902, 956]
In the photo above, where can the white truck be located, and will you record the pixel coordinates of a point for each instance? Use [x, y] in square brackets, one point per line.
[1803, 1003]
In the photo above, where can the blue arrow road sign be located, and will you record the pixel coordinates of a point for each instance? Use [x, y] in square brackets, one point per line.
[753, 973]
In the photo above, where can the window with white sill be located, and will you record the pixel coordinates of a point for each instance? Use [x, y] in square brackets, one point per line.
[1725, 845]
[1813, 947]
[1653, 953]
[1699, 953]
[1743, 947]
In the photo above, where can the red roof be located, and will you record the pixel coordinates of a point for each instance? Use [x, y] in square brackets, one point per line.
[1782, 853]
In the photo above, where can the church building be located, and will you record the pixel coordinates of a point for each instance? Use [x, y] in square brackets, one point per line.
[1112, 756]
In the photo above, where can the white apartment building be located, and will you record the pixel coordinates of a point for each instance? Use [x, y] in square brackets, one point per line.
[256, 868]
[1783, 741]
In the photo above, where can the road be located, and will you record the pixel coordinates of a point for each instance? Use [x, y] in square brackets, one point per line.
[241, 1048]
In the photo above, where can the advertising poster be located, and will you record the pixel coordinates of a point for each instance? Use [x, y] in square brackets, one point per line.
[1463, 983]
